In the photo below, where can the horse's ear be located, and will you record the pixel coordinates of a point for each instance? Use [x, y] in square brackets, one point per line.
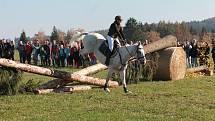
[139, 43]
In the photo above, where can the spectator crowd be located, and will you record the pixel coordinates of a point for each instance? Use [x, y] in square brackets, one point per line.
[7, 49]
[198, 53]
[64, 54]
[47, 53]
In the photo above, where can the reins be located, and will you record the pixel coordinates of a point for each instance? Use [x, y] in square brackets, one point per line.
[131, 59]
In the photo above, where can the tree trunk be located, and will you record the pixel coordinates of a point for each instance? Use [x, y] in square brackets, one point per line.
[91, 69]
[59, 82]
[43, 91]
[197, 69]
[75, 88]
[55, 73]
[168, 41]
[171, 64]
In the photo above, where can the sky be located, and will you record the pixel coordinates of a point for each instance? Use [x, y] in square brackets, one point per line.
[41, 15]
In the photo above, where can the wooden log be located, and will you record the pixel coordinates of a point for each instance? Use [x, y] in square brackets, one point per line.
[197, 69]
[75, 88]
[43, 91]
[55, 83]
[52, 84]
[168, 41]
[171, 64]
[91, 69]
[55, 73]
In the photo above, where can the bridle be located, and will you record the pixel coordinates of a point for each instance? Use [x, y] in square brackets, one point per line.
[131, 59]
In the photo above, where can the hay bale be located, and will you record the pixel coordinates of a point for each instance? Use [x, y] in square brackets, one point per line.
[171, 64]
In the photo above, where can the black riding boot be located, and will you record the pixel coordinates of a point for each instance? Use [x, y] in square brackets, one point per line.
[107, 62]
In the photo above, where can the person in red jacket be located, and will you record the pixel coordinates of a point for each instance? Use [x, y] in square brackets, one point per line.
[28, 50]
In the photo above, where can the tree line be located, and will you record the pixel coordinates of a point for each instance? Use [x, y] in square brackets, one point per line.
[137, 31]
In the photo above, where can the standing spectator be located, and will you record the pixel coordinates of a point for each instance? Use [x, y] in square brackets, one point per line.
[7, 49]
[67, 54]
[62, 55]
[80, 57]
[194, 54]
[55, 54]
[76, 57]
[213, 54]
[187, 49]
[36, 52]
[22, 54]
[42, 55]
[47, 53]
[12, 49]
[1, 48]
[71, 56]
[207, 53]
[28, 50]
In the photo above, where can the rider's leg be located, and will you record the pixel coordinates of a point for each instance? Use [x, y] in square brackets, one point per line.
[110, 45]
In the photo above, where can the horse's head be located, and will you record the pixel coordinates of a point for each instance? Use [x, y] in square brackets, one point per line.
[140, 54]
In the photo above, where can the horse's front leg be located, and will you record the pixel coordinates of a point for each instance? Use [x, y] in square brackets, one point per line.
[107, 80]
[122, 77]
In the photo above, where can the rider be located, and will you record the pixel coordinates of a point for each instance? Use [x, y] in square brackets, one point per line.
[115, 33]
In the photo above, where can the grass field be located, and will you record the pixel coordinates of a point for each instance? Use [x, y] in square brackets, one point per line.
[190, 99]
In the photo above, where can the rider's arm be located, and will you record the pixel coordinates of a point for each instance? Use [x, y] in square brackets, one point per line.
[122, 34]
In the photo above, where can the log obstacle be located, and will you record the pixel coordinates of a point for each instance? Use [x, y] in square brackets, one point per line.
[171, 64]
[204, 69]
[168, 41]
[75, 88]
[197, 69]
[56, 73]
[55, 83]
[91, 69]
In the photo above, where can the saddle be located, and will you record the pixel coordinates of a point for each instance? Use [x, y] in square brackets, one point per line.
[104, 49]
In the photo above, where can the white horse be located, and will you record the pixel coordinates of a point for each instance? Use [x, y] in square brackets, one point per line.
[118, 63]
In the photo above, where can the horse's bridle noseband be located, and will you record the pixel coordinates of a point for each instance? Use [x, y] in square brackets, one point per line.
[136, 52]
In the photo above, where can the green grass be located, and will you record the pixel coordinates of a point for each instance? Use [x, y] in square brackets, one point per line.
[190, 99]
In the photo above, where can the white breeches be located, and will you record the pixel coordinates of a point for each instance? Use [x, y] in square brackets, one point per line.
[111, 42]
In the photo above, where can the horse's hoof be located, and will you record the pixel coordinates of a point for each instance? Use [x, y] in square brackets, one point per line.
[126, 90]
[107, 90]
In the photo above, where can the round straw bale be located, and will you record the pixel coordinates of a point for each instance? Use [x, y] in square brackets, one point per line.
[171, 64]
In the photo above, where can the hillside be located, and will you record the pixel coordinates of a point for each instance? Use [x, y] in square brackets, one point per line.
[208, 24]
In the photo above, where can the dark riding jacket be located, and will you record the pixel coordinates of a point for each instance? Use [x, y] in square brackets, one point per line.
[116, 31]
